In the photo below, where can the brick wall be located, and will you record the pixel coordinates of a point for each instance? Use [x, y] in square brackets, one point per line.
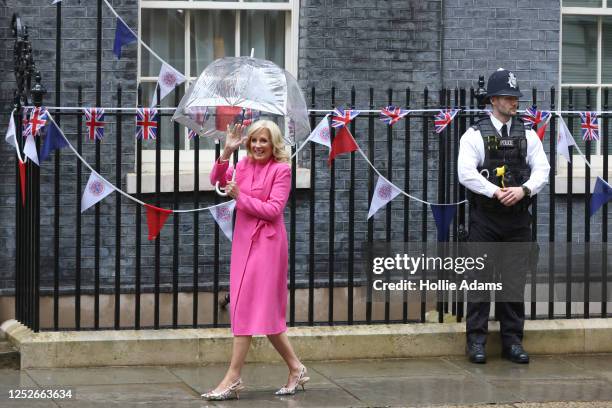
[343, 44]
[78, 68]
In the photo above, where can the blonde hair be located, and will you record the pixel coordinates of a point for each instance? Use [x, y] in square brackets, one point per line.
[278, 144]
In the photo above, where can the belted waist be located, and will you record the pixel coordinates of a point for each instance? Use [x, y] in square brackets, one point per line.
[263, 227]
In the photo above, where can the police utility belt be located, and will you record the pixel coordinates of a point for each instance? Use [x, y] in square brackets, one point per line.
[505, 165]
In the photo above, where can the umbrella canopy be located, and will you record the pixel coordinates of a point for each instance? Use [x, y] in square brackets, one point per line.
[253, 84]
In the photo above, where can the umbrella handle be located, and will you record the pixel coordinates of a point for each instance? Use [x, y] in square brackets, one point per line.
[222, 193]
[218, 189]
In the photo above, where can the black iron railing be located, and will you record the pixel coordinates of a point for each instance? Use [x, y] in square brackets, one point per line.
[204, 270]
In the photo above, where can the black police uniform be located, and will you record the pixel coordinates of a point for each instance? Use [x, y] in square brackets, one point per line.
[491, 221]
[507, 160]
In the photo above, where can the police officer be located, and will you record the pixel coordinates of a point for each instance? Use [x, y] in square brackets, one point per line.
[503, 165]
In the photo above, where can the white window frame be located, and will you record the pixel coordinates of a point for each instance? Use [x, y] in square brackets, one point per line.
[291, 7]
[578, 165]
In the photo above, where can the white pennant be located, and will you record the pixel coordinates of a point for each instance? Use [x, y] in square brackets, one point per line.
[384, 192]
[30, 149]
[11, 133]
[223, 214]
[168, 79]
[564, 140]
[320, 134]
[96, 189]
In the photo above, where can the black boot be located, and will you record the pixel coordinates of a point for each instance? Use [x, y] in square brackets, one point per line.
[476, 353]
[516, 354]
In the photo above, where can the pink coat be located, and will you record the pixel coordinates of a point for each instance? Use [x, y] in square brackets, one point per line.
[258, 270]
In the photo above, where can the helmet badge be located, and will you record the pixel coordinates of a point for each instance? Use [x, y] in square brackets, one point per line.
[512, 80]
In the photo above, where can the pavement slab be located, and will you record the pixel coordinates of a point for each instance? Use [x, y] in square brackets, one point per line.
[311, 398]
[567, 381]
[426, 367]
[599, 364]
[540, 367]
[557, 390]
[132, 393]
[428, 391]
[102, 376]
[594, 404]
[259, 377]
[28, 404]
[14, 379]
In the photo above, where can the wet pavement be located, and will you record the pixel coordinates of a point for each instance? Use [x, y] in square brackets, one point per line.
[581, 381]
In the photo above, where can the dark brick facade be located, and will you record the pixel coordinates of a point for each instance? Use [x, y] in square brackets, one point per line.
[342, 44]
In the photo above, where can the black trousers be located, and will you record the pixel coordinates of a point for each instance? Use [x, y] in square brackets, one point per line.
[492, 227]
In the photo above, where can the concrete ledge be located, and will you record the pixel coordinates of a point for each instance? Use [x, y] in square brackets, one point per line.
[199, 346]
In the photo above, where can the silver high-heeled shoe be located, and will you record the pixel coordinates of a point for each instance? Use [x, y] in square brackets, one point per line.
[225, 394]
[301, 380]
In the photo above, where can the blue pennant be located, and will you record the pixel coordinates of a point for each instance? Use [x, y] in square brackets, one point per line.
[53, 140]
[443, 215]
[602, 193]
[123, 36]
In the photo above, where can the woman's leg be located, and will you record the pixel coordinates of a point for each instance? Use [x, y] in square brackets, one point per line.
[283, 346]
[239, 352]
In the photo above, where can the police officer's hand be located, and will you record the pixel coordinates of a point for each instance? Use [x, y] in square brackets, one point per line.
[509, 196]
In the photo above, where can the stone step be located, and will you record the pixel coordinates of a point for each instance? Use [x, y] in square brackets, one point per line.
[9, 356]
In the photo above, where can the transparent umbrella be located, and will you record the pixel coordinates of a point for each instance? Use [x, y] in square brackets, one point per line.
[243, 85]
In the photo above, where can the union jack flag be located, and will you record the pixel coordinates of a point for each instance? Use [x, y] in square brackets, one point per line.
[94, 120]
[146, 123]
[25, 123]
[392, 114]
[341, 117]
[38, 120]
[444, 118]
[535, 117]
[589, 125]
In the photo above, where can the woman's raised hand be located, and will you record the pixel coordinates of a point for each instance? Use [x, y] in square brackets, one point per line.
[233, 139]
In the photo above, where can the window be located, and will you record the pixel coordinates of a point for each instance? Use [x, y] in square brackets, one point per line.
[586, 68]
[586, 56]
[191, 34]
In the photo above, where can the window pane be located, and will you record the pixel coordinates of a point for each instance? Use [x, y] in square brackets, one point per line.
[582, 3]
[265, 32]
[578, 104]
[579, 49]
[212, 36]
[164, 32]
[167, 127]
[606, 45]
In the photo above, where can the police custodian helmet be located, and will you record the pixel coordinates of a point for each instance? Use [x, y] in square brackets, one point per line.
[502, 83]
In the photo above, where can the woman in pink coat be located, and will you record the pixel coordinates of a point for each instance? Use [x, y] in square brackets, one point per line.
[258, 271]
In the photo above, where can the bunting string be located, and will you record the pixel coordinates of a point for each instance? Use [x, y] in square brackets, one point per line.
[607, 190]
[173, 108]
[361, 152]
[400, 190]
[583, 157]
[128, 196]
[134, 199]
[153, 53]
